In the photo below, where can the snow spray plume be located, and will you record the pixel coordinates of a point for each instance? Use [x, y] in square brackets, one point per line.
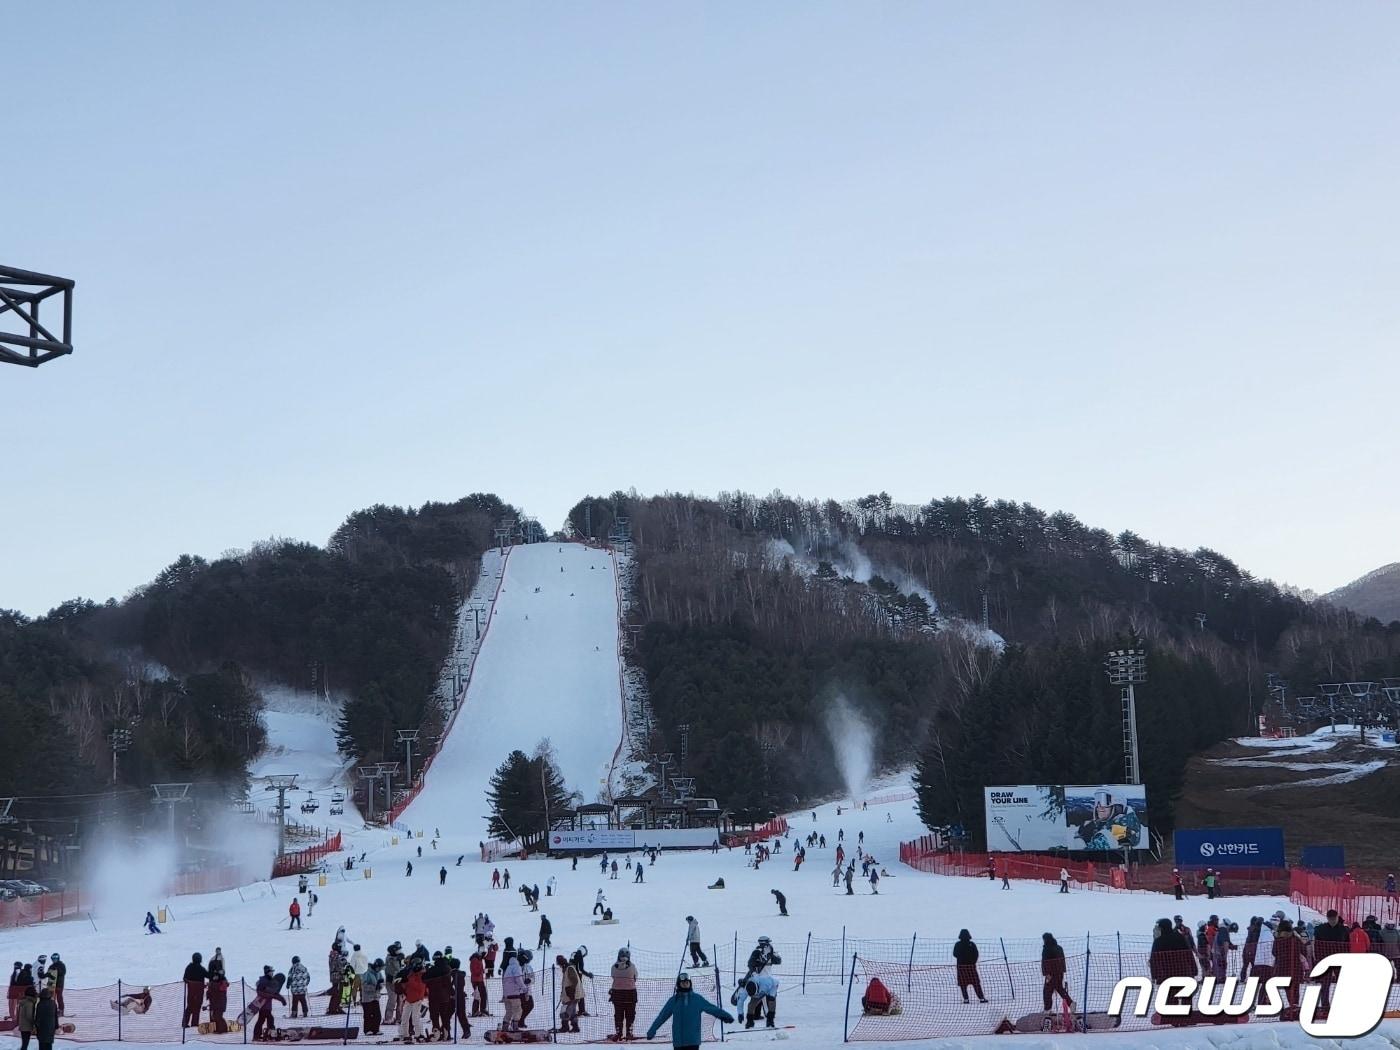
[854, 743]
[128, 877]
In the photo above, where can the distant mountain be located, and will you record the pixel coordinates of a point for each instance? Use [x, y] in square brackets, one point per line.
[1375, 594]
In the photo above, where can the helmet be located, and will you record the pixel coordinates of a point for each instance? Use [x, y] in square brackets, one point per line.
[267, 971]
[525, 955]
[54, 957]
[296, 959]
[765, 940]
[683, 982]
[690, 918]
[378, 964]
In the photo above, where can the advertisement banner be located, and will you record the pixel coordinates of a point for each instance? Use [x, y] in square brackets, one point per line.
[593, 838]
[1229, 848]
[1043, 818]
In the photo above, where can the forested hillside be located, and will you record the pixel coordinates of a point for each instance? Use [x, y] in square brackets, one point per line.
[758, 612]
[368, 617]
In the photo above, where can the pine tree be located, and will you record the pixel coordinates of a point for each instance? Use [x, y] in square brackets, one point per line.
[526, 794]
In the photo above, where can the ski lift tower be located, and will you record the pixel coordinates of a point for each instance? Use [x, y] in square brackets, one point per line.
[172, 795]
[22, 292]
[281, 783]
[387, 771]
[1127, 668]
[407, 737]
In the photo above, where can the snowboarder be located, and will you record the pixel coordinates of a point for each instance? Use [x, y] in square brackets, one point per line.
[301, 884]
[623, 993]
[850, 879]
[58, 976]
[692, 937]
[965, 955]
[476, 971]
[836, 876]
[495, 878]
[549, 886]
[598, 902]
[1064, 886]
[513, 991]
[762, 957]
[1390, 885]
[546, 930]
[311, 902]
[782, 902]
[570, 994]
[442, 876]
[408, 871]
[294, 911]
[1052, 968]
[505, 879]
[991, 868]
[576, 961]
[267, 990]
[684, 1010]
[371, 981]
[614, 869]
[1211, 881]
[640, 876]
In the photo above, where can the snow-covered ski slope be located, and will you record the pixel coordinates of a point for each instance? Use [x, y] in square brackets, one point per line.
[548, 668]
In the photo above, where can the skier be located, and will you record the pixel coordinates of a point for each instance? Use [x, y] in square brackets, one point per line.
[874, 880]
[1178, 887]
[549, 885]
[640, 876]
[311, 901]
[861, 838]
[614, 869]
[1052, 968]
[1210, 880]
[442, 876]
[414, 993]
[301, 884]
[546, 931]
[194, 978]
[965, 955]
[598, 902]
[758, 993]
[762, 957]
[1064, 885]
[505, 879]
[1222, 947]
[836, 876]
[850, 879]
[409, 869]
[684, 1010]
[476, 966]
[151, 926]
[692, 937]
[623, 993]
[298, 981]
[420, 852]
[495, 878]
[294, 910]
[782, 902]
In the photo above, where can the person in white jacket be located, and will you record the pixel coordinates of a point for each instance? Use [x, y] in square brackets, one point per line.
[692, 937]
[513, 992]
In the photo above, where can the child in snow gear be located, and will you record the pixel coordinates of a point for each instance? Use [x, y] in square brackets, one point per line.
[684, 1010]
[294, 911]
[877, 998]
[758, 993]
[569, 995]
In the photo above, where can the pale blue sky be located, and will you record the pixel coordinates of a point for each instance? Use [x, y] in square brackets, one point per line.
[1136, 262]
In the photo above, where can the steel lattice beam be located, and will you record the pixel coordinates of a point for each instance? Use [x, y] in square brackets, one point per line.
[24, 338]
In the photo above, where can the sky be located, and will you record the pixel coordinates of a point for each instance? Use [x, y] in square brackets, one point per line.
[1137, 262]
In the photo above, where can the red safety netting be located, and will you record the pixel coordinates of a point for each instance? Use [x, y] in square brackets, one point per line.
[152, 1013]
[774, 829]
[305, 859]
[927, 1001]
[926, 853]
[1353, 900]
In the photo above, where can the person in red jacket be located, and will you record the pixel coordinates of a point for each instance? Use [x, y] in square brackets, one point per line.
[1358, 941]
[877, 998]
[477, 964]
[294, 911]
[415, 993]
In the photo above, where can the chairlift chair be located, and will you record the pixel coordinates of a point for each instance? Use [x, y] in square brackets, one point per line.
[337, 796]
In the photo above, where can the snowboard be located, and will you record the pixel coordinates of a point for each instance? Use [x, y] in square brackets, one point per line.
[605, 922]
[495, 1035]
[1056, 1021]
[741, 1030]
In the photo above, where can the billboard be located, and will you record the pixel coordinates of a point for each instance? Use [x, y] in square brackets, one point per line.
[1229, 848]
[628, 838]
[1041, 818]
[593, 838]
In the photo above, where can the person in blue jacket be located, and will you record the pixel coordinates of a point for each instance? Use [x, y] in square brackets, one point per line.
[684, 1010]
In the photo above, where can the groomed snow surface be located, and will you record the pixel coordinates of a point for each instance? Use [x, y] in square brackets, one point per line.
[548, 667]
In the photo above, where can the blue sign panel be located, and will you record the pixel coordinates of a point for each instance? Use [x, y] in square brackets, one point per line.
[1229, 848]
[1328, 860]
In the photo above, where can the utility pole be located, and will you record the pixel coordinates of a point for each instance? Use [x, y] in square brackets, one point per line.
[406, 738]
[281, 783]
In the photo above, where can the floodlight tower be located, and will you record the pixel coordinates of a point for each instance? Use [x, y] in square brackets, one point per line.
[281, 783]
[172, 795]
[1126, 668]
[21, 293]
[407, 738]
[120, 739]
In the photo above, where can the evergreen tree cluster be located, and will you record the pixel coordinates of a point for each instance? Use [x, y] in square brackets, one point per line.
[526, 794]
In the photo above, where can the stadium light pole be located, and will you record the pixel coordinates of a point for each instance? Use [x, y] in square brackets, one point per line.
[281, 783]
[406, 738]
[120, 739]
[1126, 668]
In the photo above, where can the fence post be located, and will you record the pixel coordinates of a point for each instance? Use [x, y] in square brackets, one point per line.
[119, 1009]
[736, 955]
[243, 1027]
[1119, 935]
[843, 950]
[718, 993]
[807, 951]
[554, 1004]
[1084, 1002]
[1007, 963]
[846, 1018]
[909, 973]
